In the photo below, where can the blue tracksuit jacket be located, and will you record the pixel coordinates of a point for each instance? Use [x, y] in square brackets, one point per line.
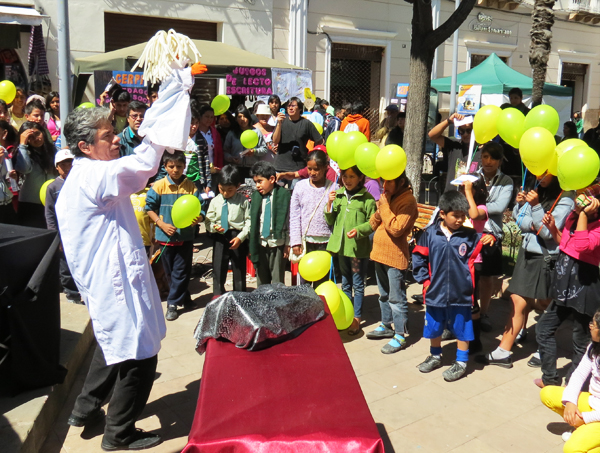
[446, 267]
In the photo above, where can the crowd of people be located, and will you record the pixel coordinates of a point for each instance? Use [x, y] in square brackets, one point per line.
[301, 201]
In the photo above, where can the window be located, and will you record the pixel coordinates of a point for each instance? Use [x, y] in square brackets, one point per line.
[477, 59]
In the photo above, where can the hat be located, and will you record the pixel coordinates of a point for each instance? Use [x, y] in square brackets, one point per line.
[392, 107]
[263, 109]
[330, 110]
[63, 154]
[309, 104]
[321, 148]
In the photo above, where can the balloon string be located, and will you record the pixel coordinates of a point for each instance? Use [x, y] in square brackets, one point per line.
[551, 209]
[161, 252]
[331, 273]
[524, 177]
[521, 215]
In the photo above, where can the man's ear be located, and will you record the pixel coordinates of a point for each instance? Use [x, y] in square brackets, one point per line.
[84, 147]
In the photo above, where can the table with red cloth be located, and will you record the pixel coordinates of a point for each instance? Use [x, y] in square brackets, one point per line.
[298, 396]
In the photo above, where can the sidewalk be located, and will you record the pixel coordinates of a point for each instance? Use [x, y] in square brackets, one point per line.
[490, 410]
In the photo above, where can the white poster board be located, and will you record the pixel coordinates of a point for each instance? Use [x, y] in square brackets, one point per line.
[289, 83]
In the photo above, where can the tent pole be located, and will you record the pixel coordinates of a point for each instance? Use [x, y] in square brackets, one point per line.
[454, 74]
[64, 64]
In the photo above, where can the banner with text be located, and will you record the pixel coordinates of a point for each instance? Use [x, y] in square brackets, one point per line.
[132, 82]
[247, 81]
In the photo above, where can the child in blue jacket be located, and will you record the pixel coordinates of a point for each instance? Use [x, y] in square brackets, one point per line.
[443, 261]
[178, 243]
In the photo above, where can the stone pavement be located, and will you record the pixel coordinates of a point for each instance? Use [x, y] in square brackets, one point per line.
[492, 409]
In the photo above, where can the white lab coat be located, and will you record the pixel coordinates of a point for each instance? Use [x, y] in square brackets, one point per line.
[106, 255]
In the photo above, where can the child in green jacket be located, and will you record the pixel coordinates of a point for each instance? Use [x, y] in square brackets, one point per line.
[349, 209]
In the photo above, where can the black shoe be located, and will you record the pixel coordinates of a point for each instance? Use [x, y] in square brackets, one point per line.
[382, 331]
[534, 362]
[447, 335]
[141, 441]
[418, 299]
[172, 314]
[90, 419]
[489, 360]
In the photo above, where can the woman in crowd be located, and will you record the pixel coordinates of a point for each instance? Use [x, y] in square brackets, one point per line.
[233, 150]
[263, 113]
[208, 138]
[35, 160]
[531, 280]
[8, 140]
[499, 188]
[569, 131]
[225, 122]
[52, 116]
[17, 109]
[309, 230]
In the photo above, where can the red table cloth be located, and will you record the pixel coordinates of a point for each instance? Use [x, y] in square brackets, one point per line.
[297, 396]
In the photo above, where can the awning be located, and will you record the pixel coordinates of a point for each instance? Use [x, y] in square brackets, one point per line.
[217, 56]
[20, 16]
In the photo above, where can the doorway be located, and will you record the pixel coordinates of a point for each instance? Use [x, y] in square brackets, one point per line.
[574, 75]
[356, 76]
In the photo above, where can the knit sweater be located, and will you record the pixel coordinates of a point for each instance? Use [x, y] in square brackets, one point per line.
[392, 223]
[304, 200]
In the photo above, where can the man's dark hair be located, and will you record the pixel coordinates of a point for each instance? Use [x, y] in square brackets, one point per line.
[136, 105]
[230, 176]
[35, 104]
[453, 200]
[516, 91]
[347, 106]
[263, 169]
[336, 111]
[121, 96]
[82, 125]
[324, 103]
[177, 156]
[297, 101]
[358, 108]
[495, 150]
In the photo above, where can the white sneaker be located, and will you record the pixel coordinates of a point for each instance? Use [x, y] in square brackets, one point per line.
[566, 435]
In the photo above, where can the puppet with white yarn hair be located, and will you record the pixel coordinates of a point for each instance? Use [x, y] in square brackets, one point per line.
[165, 59]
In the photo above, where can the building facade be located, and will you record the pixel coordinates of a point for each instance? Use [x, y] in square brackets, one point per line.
[357, 49]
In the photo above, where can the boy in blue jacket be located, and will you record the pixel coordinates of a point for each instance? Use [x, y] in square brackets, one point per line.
[443, 261]
[178, 243]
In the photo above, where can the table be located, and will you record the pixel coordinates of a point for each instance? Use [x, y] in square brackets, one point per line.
[297, 396]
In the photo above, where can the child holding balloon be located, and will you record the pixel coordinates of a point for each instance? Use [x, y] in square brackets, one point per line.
[349, 210]
[178, 243]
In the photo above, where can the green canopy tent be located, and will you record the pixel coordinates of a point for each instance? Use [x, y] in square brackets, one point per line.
[496, 77]
[217, 56]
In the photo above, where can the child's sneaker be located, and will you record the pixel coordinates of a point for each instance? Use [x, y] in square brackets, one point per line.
[454, 373]
[382, 331]
[394, 345]
[431, 363]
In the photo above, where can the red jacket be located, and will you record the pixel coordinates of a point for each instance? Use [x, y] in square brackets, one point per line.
[362, 123]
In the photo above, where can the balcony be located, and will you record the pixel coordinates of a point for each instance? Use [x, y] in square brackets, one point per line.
[584, 11]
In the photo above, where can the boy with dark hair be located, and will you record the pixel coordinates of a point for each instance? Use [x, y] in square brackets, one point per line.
[515, 96]
[130, 139]
[153, 93]
[34, 111]
[63, 160]
[269, 215]
[178, 243]
[118, 107]
[228, 218]
[443, 261]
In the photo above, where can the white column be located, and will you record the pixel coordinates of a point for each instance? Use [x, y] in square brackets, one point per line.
[298, 24]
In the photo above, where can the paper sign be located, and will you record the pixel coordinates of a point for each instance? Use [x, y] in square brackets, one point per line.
[402, 90]
[288, 83]
[469, 99]
[132, 82]
[249, 81]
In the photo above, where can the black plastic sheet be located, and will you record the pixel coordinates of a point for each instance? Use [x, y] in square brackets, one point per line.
[269, 315]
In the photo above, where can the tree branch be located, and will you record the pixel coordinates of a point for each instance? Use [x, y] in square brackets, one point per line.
[445, 30]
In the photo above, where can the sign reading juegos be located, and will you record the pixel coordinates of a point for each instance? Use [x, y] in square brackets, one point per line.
[249, 81]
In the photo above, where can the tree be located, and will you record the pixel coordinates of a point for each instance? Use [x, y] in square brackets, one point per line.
[542, 19]
[425, 39]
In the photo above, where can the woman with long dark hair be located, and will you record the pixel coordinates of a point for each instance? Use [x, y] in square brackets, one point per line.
[531, 280]
[35, 160]
[234, 151]
[52, 116]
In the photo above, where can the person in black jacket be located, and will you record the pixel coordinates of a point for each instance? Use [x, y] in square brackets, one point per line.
[443, 261]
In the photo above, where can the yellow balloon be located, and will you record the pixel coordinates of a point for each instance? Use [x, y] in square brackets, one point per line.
[484, 123]
[43, 191]
[344, 315]
[578, 168]
[390, 162]
[562, 148]
[536, 147]
[510, 126]
[331, 294]
[544, 116]
[314, 265]
[318, 127]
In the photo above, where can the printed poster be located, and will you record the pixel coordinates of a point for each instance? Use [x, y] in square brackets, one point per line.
[469, 99]
[289, 83]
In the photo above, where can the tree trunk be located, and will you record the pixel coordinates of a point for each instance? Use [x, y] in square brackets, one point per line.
[542, 19]
[424, 41]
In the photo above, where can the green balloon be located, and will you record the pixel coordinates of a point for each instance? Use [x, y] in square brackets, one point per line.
[365, 156]
[543, 116]
[346, 153]
[185, 210]
[249, 139]
[510, 125]
[86, 105]
[335, 144]
[578, 168]
[220, 104]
